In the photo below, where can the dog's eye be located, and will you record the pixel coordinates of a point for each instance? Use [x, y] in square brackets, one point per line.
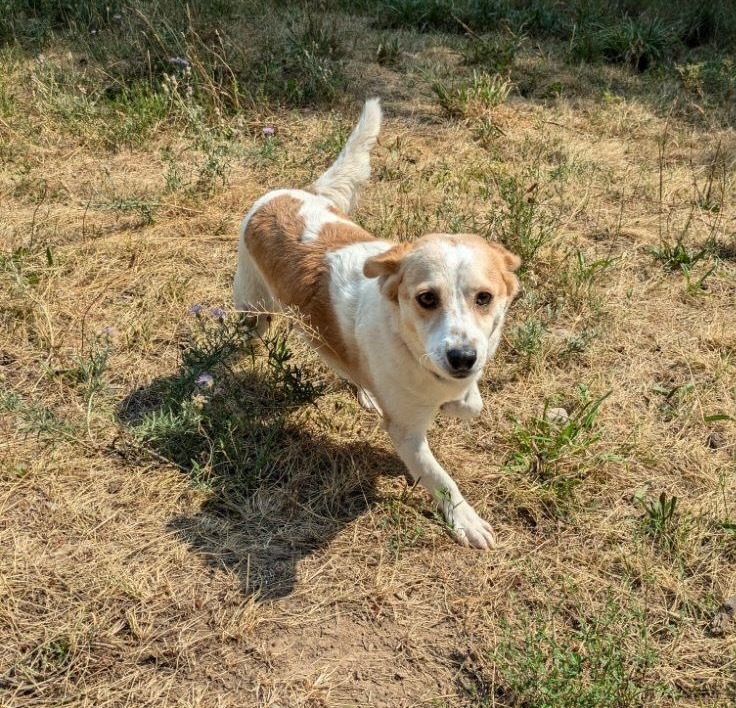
[483, 299]
[427, 300]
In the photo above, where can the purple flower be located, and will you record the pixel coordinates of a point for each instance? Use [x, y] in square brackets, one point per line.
[108, 331]
[217, 312]
[195, 309]
[268, 131]
[205, 380]
[179, 61]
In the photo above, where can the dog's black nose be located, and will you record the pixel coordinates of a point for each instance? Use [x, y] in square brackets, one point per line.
[462, 359]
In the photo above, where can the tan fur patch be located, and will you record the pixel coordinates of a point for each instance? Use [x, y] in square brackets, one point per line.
[502, 263]
[298, 273]
[511, 263]
[385, 266]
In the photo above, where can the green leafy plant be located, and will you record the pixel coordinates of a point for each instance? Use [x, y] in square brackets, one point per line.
[523, 224]
[572, 281]
[673, 398]
[526, 338]
[696, 284]
[317, 34]
[144, 207]
[88, 369]
[710, 81]
[660, 518]
[640, 42]
[215, 417]
[388, 51]
[303, 69]
[496, 52]
[552, 452]
[675, 254]
[34, 418]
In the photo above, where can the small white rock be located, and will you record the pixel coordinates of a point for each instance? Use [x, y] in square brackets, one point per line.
[557, 415]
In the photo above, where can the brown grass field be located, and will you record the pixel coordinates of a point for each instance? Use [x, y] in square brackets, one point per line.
[254, 541]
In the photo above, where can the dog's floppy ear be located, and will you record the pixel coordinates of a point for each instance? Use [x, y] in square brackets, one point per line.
[511, 262]
[386, 267]
[386, 263]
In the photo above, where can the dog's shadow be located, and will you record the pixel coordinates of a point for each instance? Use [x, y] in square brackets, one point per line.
[281, 486]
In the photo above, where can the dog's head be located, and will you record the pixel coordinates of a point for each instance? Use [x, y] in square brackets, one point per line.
[452, 293]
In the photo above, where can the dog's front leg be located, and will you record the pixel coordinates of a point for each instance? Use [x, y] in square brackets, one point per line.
[413, 448]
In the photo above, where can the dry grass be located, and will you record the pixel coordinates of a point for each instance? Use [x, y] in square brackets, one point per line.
[150, 569]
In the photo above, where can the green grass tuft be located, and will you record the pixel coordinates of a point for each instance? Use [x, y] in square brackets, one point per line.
[602, 659]
[553, 453]
[216, 419]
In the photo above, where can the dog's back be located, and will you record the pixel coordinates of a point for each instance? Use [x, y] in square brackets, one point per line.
[288, 234]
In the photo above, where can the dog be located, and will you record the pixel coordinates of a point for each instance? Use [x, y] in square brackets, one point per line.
[411, 325]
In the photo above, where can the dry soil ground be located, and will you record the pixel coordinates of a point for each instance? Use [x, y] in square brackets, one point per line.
[252, 540]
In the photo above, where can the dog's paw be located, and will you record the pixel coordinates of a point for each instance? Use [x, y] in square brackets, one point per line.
[459, 409]
[466, 408]
[469, 528]
[255, 324]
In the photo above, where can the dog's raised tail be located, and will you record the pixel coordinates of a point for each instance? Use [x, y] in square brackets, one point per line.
[352, 168]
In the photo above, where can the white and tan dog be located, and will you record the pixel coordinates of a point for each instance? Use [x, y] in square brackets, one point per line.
[411, 324]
